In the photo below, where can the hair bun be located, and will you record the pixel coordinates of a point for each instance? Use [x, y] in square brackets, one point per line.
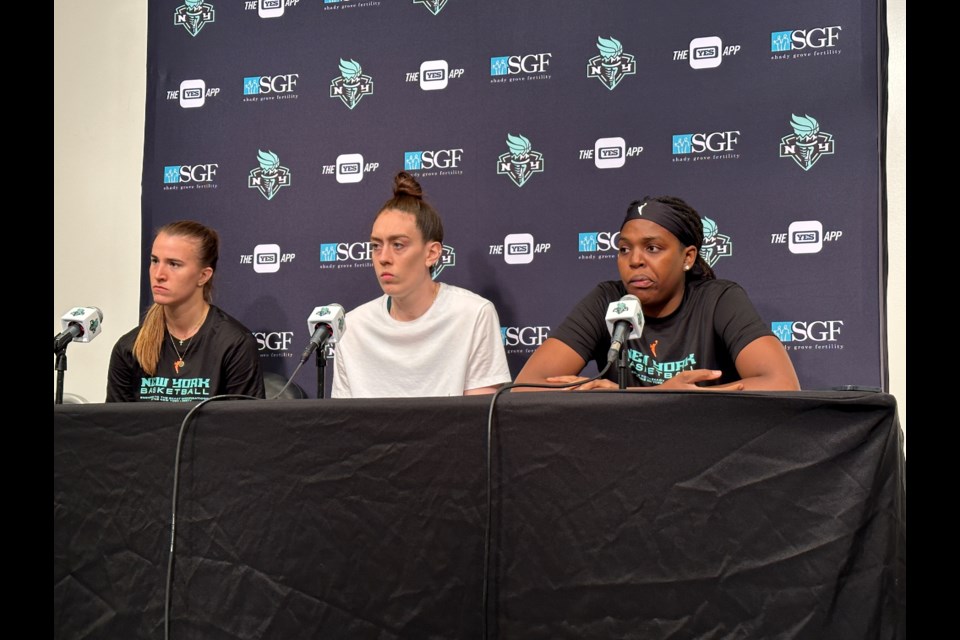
[405, 184]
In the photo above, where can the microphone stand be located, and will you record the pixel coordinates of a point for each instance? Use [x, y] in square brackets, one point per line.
[622, 367]
[321, 371]
[61, 367]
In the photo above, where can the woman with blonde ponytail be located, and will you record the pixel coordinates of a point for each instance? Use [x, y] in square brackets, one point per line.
[186, 349]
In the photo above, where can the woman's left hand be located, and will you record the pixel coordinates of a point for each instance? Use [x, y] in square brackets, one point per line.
[602, 383]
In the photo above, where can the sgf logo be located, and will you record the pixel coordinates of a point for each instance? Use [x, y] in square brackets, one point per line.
[715, 244]
[268, 85]
[718, 141]
[426, 160]
[798, 39]
[612, 65]
[526, 64]
[433, 6]
[593, 241]
[597, 245]
[807, 143]
[351, 85]
[274, 342]
[192, 15]
[187, 176]
[352, 252]
[269, 177]
[523, 336]
[815, 331]
[521, 161]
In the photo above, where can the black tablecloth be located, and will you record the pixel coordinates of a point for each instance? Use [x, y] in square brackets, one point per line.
[615, 515]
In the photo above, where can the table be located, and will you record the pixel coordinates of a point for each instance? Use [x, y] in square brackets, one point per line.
[615, 515]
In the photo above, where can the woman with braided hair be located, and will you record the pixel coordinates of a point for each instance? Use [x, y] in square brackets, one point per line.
[699, 331]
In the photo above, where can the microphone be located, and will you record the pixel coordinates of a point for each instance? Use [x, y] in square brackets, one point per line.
[624, 322]
[325, 324]
[80, 324]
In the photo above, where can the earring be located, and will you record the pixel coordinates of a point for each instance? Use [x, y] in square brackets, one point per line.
[686, 267]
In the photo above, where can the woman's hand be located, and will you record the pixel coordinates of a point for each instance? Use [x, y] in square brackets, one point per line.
[688, 380]
[603, 383]
[685, 380]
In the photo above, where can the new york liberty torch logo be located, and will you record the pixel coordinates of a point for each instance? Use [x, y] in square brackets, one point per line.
[521, 162]
[807, 143]
[433, 6]
[351, 85]
[612, 65]
[192, 15]
[716, 245]
[269, 177]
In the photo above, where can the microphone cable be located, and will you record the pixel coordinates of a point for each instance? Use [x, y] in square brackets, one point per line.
[173, 509]
[289, 382]
[487, 529]
[176, 487]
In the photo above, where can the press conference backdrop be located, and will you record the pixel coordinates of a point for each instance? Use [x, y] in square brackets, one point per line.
[530, 126]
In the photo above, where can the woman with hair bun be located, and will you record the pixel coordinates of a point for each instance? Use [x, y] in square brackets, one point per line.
[699, 331]
[421, 337]
[186, 349]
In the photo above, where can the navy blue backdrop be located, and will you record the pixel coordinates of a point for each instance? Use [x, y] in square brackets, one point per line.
[530, 126]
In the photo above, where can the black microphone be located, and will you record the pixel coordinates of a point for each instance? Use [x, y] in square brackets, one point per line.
[624, 322]
[325, 324]
[80, 324]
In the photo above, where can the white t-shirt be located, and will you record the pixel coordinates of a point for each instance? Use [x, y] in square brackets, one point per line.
[453, 347]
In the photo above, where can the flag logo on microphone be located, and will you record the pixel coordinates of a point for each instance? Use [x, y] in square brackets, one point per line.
[620, 308]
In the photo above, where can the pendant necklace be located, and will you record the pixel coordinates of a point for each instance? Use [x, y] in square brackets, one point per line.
[180, 364]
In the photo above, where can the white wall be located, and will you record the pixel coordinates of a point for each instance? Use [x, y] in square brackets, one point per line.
[98, 148]
[897, 194]
[99, 71]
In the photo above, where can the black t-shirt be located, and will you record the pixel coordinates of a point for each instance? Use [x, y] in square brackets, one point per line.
[714, 322]
[221, 358]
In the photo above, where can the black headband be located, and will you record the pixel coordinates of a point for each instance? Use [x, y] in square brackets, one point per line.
[668, 218]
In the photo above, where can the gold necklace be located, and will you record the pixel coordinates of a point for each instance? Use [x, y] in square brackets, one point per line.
[180, 364]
